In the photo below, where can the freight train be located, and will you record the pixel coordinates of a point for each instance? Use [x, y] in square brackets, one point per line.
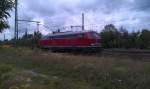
[72, 41]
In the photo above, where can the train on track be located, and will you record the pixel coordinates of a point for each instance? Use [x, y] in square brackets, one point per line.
[72, 41]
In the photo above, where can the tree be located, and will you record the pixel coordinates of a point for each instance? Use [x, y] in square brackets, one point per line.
[127, 39]
[120, 38]
[144, 39]
[134, 36]
[5, 7]
[30, 40]
[123, 37]
[36, 38]
[110, 36]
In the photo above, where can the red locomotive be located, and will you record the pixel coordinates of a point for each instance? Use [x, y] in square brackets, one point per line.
[72, 41]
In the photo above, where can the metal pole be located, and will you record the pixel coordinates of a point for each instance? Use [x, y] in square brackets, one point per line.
[16, 21]
[17, 18]
[26, 32]
[38, 24]
[83, 21]
[4, 37]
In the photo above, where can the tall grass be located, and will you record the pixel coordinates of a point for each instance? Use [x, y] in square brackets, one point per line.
[23, 68]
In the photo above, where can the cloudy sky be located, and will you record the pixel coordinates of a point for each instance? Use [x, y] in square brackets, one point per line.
[132, 14]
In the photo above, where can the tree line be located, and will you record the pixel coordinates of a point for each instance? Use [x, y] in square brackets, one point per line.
[27, 40]
[110, 35]
[121, 38]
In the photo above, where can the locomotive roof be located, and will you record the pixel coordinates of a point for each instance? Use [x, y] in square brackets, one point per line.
[69, 33]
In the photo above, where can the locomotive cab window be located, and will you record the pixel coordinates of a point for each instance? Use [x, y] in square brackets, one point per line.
[45, 37]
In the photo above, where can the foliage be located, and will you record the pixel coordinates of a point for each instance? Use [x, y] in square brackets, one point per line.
[144, 38]
[5, 7]
[28, 40]
[110, 36]
[121, 38]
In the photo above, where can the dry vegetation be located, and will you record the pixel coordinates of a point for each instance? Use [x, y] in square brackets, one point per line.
[23, 68]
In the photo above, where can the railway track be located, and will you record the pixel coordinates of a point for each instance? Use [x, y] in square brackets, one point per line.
[126, 51]
[133, 54]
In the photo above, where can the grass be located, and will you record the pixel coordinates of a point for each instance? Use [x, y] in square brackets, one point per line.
[23, 68]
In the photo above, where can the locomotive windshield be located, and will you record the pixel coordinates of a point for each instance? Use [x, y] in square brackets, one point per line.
[45, 37]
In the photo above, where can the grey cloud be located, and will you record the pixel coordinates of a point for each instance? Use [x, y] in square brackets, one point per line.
[142, 5]
[60, 10]
[128, 13]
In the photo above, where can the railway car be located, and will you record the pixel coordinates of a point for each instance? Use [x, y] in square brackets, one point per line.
[72, 41]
